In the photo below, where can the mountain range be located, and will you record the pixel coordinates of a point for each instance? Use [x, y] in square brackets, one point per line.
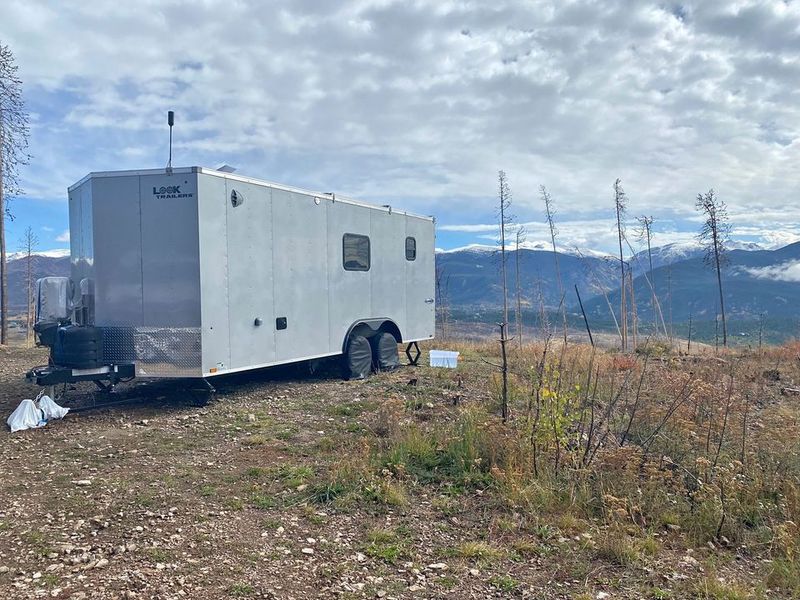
[756, 281]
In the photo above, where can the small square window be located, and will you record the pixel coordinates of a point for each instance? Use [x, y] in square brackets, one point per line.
[411, 248]
[355, 252]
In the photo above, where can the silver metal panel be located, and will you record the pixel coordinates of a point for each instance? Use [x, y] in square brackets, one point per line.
[349, 294]
[80, 234]
[170, 250]
[420, 282]
[211, 203]
[301, 262]
[118, 256]
[250, 283]
[131, 173]
[287, 188]
[388, 269]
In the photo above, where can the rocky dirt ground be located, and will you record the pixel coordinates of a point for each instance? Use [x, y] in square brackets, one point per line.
[163, 499]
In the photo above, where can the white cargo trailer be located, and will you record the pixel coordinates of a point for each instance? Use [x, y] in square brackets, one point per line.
[194, 273]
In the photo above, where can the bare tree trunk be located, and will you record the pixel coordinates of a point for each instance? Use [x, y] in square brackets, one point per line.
[689, 343]
[634, 316]
[3, 265]
[504, 356]
[669, 302]
[505, 203]
[620, 207]
[652, 278]
[548, 205]
[717, 259]
[29, 243]
[28, 292]
[518, 315]
[715, 234]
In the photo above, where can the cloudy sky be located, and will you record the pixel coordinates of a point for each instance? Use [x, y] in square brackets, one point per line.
[418, 104]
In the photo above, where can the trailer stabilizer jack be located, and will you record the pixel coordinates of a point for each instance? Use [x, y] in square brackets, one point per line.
[413, 360]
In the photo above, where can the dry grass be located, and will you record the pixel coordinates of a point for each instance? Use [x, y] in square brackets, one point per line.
[700, 450]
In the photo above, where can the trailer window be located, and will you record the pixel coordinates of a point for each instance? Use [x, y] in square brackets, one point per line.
[355, 252]
[411, 248]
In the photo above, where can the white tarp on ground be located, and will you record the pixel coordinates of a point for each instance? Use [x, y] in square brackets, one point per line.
[50, 409]
[29, 416]
[26, 416]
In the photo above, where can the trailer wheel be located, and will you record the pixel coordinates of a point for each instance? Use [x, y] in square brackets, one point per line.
[384, 351]
[358, 358]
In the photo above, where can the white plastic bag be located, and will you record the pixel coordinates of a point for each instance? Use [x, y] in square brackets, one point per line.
[26, 416]
[50, 409]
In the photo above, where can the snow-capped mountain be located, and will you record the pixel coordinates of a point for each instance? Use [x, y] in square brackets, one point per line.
[677, 251]
[56, 253]
[537, 246]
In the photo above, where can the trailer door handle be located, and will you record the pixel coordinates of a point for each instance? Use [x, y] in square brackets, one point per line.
[429, 301]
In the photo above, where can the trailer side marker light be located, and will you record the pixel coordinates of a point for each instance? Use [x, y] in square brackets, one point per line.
[212, 370]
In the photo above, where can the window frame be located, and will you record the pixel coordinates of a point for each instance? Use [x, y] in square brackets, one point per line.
[369, 252]
[414, 241]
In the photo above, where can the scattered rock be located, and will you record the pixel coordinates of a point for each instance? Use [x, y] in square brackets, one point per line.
[83, 482]
[307, 551]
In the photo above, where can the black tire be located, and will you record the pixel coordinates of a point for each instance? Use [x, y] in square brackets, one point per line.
[358, 358]
[384, 351]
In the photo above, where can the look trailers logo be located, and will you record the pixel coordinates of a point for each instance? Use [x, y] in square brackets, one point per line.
[170, 191]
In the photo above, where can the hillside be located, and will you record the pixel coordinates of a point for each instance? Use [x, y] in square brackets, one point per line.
[754, 282]
[474, 280]
[42, 266]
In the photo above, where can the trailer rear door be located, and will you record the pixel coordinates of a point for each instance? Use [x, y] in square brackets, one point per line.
[420, 276]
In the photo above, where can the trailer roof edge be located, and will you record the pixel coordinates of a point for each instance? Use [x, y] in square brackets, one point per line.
[207, 171]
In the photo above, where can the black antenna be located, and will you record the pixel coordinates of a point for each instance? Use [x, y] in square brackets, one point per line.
[170, 122]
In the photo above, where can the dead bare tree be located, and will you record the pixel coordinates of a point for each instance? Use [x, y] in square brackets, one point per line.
[715, 235]
[646, 233]
[620, 206]
[550, 214]
[520, 235]
[27, 246]
[13, 154]
[504, 206]
[634, 314]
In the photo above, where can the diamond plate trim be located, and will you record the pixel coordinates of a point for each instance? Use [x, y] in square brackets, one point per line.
[156, 351]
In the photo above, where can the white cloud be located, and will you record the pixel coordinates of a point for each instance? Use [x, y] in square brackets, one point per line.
[47, 228]
[63, 237]
[419, 103]
[787, 271]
